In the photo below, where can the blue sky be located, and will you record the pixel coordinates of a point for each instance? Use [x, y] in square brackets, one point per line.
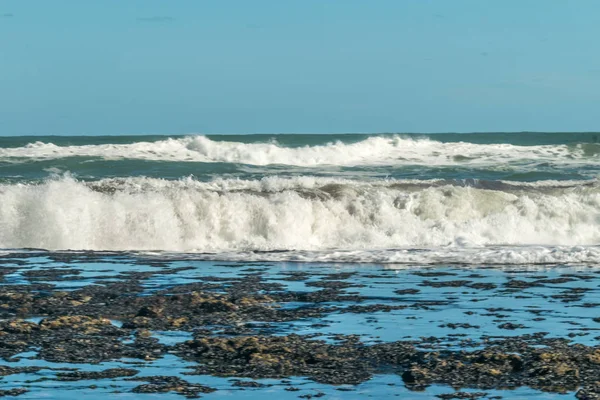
[239, 66]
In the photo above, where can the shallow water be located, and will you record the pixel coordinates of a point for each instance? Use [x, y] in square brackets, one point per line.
[447, 241]
[482, 298]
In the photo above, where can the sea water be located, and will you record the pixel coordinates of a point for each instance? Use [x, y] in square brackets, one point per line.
[525, 198]
[506, 205]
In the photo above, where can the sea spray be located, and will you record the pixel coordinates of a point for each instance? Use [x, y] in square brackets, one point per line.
[296, 214]
[375, 150]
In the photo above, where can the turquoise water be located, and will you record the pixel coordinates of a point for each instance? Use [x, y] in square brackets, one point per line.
[425, 312]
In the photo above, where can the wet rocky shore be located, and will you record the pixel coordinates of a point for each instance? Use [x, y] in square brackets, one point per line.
[104, 323]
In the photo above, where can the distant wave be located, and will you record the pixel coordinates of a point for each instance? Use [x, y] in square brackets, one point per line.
[375, 150]
[308, 218]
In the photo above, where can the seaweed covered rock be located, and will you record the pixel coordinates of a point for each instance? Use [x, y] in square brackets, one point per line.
[81, 323]
[272, 356]
[589, 392]
[165, 384]
[87, 375]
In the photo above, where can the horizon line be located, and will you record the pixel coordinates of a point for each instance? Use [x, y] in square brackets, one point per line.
[296, 133]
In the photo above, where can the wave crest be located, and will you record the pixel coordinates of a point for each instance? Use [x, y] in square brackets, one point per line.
[375, 150]
[301, 214]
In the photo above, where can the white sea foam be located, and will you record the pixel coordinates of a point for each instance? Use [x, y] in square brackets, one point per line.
[401, 258]
[376, 150]
[308, 219]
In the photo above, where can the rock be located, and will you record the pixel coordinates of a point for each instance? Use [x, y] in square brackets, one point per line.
[75, 322]
[483, 285]
[143, 333]
[164, 384]
[461, 395]
[442, 284]
[416, 376]
[511, 326]
[249, 384]
[138, 322]
[407, 291]
[594, 357]
[150, 311]
[589, 392]
[86, 375]
[276, 357]
[13, 392]
[5, 370]
[212, 304]
[19, 326]
[456, 326]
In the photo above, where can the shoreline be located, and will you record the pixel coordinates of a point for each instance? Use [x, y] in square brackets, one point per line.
[444, 331]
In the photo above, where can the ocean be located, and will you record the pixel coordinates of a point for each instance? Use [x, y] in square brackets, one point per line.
[493, 198]
[348, 266]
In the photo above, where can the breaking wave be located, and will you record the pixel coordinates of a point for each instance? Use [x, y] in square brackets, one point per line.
[375, 150]
[309, 219]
